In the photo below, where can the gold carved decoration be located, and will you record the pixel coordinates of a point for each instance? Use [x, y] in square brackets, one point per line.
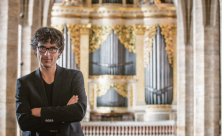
[58, 26]
[100, 33]
[167, 31]
[74, 32]
[159, 106]
[139, 29]
[112, 77]
[126, 36]
[151, 30]
[157, 1]
[131, 96]
[108, 109]
[121, 88]
[92, 89]
[84, 29]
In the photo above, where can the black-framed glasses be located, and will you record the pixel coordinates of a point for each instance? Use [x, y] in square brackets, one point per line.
[43, 49]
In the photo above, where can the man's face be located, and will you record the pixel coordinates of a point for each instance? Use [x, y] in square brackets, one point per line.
[47, 58]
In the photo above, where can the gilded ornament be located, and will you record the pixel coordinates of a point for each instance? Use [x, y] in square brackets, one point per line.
[92, 88]
[74, 32]
[139, 29]
[157, 1]
[121, 88]
[108, 109]
[112, 77]
[151, 30]
[126, 36]
[131, 96]
[159, 106]
[99, 34]
[167, 31]
[60, 27]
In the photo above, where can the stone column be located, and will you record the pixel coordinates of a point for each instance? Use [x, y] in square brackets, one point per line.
[140, 72]
[30, 25]
[84, 54]
[9, 11]
[206, 68]
[220, 62]
[174, 67]
[185, 89]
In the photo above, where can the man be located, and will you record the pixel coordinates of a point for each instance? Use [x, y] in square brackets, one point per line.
[50, 101]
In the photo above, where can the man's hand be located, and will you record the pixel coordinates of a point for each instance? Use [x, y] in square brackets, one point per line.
[73, 100]
[36, 112]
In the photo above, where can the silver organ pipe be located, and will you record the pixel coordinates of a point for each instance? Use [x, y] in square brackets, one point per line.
[158, 74]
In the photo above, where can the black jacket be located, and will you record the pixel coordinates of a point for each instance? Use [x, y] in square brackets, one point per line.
[59, 118]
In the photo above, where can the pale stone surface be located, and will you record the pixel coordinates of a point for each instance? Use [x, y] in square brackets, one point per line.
[9, 10]
[84, 56]
[140, 70]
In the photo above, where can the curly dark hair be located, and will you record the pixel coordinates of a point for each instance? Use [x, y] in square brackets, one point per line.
[43, 34]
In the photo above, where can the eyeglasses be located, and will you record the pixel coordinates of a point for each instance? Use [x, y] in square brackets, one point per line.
[43, 49]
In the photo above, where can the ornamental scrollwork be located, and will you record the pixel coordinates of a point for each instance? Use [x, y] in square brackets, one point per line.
[100, 33]
[126, 36]
[139, 29]
[151, 30]
[157, 1]
[121, 89]
[59, 27]
[74, 32]
[167, 30]
[92, 88]
[97, 36]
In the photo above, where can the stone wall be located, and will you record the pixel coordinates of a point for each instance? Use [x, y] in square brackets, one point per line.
[198, 68]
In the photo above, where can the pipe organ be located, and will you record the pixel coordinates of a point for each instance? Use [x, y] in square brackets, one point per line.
[125, 50]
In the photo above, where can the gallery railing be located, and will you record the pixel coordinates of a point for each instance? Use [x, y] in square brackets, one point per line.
[160, 128]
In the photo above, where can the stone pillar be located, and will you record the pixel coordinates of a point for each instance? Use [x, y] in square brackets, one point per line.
[84, 54]
[174, 67]
[30, 25]
[140, 72]
[206, 68]
[220, 61]
[184, 72]
[9, 11]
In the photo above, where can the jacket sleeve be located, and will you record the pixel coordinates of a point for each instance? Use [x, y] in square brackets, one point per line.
[69, 113]
[26, 121]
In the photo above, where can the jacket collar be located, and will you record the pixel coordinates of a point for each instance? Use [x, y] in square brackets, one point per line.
[56, 87]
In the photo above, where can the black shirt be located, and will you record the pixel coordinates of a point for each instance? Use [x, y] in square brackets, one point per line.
[48, 90]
